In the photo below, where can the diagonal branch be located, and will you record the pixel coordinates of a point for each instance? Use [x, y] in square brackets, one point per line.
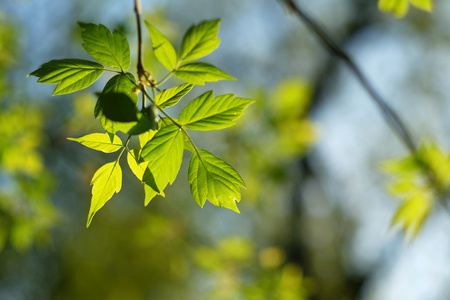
[388, 113]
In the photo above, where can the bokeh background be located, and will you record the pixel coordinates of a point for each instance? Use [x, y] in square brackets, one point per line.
[315, 218]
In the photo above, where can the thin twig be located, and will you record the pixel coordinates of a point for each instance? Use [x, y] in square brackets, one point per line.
[388, 113]
[140, 65]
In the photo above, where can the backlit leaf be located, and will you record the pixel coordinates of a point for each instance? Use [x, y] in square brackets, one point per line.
[100, 142]
[106, 181]
[164, 153]
[400, 7]
[70, 75]
[111, 49]
[146, 136]
[163, 49]
[117, 102]
[413, 212]
[200, 40]
[171, 96]
[209, 113]
[199, 73]
[139, 168]
[214, 180]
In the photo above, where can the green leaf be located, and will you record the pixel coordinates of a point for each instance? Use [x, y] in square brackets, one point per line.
[200, 40]
[139, 168]
[400, 7]
[171, 96]
[143, 124]
[117, 102]
[100, 142]
[426, 5]
[164, 153]
[199, 73]
[116, 107]
[163, 49]
[111, 49]
[136, 165]
[70, 75]
[106, 181]
[146, 136]
[209, 113]
[412, 213]
[214, 180]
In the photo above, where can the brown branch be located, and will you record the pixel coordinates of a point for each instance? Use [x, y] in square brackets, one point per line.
[140, 66]
[388, 113]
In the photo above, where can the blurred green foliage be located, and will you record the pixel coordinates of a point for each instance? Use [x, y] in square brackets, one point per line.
[419, 180]
[26, 212]
[240, 272]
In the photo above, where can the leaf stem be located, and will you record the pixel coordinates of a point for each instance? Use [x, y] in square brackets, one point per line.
[125, 146]
[173, 121]
[165, 78]
[388, 113]
[143, 99]
[114, 71]
[162, 110]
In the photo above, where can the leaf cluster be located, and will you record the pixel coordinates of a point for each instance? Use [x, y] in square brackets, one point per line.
[420, 179]
[162, 138]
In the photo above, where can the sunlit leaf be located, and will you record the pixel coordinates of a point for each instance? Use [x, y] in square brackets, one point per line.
[214, 180]
[100, 142]
[110, 49]
[400, 7]
[209, 113]
[136, 165]
[412, 213]
[199, 73]
[106, 181]
[200, 40]
[70, 75]
[164, 153]
[171, 96]
[163, 49]
[426, 5]
[146, 136]
[139, 168]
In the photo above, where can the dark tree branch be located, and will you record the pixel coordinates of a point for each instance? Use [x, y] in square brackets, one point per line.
[388, 113]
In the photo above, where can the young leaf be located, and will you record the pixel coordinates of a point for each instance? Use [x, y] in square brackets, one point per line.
[199, 73]
[70, 75]
[171, 96]
[163, 49]
[214, 180]
[106, 181]
[139, 168]
[412, 213]
[209, 113]
[117, 102]
[426, 5]
[146, 136]
[111, 49]
[200, 40]
[100, 142]
[164, 153]
[401, 7]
